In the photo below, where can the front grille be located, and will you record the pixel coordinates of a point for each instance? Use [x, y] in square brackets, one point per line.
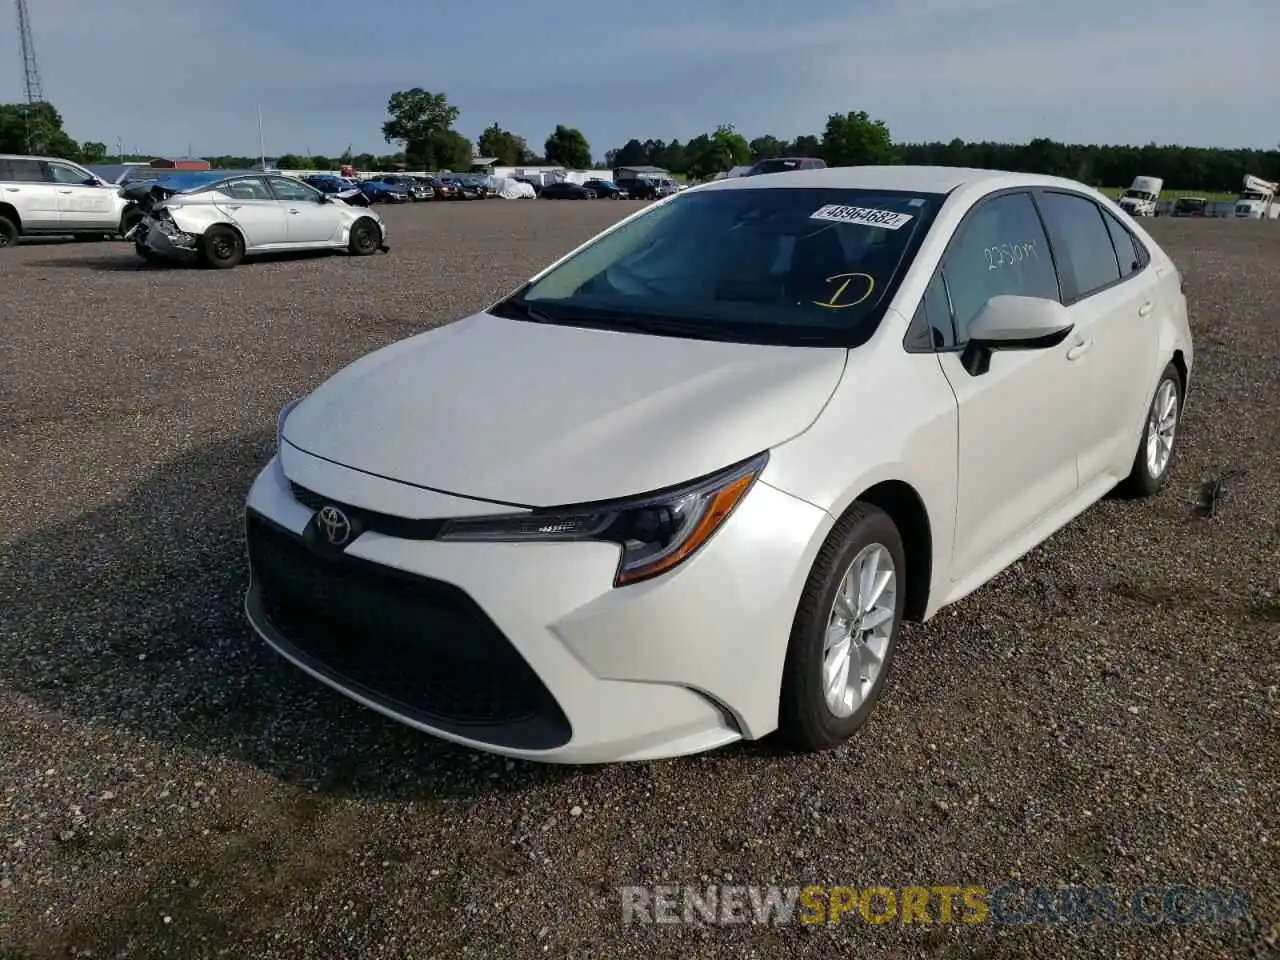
[401, 527]
[420, 647]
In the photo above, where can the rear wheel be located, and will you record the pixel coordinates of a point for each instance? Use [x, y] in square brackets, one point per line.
[845, 631]
[1156, 450]
[364, 238]
[8, 233]
[221, 248]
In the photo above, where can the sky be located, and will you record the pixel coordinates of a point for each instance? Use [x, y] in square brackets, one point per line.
[174, 74]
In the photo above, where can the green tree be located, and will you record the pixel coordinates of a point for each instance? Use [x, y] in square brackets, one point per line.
[632, 154]
[508, 147]
[763, 148]
[568, 148]
[418, 118]
[291, 161]
[805, 146]
[449, 150]
[34, 129]
[854, 139]
[91, 151]
[724, 149]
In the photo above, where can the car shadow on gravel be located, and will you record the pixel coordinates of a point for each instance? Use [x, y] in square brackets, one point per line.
[131, 615]
[122, 262]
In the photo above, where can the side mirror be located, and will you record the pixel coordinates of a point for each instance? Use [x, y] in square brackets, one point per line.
[1010, 322]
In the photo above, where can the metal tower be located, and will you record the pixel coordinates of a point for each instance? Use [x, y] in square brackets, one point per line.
[30, 79]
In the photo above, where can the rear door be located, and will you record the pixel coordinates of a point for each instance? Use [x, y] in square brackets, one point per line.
[250, 205]
[82, 204]
[29, 187]
[307, 220]
[1110, 294]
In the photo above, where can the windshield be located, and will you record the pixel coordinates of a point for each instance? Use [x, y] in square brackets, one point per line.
[771, 266]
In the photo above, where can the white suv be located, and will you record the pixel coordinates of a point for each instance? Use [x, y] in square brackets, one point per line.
[43, 196]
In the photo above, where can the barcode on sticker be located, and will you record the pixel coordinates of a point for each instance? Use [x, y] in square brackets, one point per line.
[839, 213]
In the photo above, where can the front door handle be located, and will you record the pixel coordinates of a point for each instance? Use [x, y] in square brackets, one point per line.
[291, 210]
[234, 206]
[1146, 309]
[65, 191]
[1079, 349]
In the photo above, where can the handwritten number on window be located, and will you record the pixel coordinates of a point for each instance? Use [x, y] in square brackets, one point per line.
[1007, 254]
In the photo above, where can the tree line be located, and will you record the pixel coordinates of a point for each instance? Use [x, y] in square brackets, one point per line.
[421, 126]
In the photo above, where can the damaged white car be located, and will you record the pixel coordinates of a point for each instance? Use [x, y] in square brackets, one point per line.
[219, 217]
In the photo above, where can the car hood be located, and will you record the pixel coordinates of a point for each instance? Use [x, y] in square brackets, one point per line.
[539, 415]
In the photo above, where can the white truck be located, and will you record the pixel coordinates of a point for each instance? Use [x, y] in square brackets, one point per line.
[1257, 200]
[1141, 198]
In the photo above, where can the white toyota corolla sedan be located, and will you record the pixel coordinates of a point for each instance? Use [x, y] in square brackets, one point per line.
[683, 487]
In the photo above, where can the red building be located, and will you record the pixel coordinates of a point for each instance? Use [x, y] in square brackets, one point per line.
[179, 163]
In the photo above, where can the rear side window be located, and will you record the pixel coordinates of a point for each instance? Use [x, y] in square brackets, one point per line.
[1128, 249]
[1001, 248]
[25, 171]
[1088, 256]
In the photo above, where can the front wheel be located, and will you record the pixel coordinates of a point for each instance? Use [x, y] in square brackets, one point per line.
[364, 238]
[1156, 450]
[221, 248]
[845, 631]
[8, 233]
[128, 220]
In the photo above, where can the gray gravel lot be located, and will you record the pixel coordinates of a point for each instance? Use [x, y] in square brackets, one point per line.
[1104, 712]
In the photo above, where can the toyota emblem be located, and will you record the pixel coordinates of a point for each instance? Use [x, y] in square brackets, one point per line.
[335, 526]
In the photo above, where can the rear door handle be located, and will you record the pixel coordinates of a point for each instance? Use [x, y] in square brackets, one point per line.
[66, 191]
[292, 210]
[234, 206]
[1078, 350]
[1146, 308]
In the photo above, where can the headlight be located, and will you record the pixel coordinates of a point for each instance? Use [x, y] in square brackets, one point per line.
[282, 416]
[657, 532]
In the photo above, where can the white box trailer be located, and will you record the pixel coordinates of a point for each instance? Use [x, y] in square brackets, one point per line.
[1141, 198]
[1257, 200]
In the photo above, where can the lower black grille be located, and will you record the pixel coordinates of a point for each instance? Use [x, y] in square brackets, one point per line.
[418, 646]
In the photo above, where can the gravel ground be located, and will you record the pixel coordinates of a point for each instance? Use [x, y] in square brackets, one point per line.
[1104, 712]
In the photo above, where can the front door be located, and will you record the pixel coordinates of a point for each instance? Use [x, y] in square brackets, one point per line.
[83, 203]
[252, 208]
[307, 219]
[1019, 421]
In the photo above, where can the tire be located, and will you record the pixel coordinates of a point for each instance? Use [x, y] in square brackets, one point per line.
[221, 248]
[8, 233]
[807, 719]
[364, 239]
[129, 219]
[1158, 447]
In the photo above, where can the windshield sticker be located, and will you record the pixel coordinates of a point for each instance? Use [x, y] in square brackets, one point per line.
[840, 298]
[839, 213]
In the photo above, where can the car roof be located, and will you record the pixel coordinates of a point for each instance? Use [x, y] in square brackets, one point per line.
[911, 179]
[184, 180]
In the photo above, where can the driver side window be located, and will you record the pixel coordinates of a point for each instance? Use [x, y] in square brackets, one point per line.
[1001, 248]
[292, 190]
[61, 173]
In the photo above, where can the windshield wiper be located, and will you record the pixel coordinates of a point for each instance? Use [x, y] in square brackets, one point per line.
[659, 326]
[526, 311]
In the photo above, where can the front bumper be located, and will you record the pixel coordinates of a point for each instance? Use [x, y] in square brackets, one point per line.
[163, 238]
[527, 649]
